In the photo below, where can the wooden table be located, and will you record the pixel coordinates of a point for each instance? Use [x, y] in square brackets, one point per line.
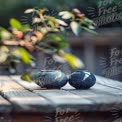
[27, 102]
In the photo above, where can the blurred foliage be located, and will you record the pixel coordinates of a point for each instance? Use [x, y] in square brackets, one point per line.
[45, 33]
[14, 8]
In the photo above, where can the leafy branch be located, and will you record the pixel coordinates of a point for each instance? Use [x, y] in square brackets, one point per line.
[17, 42]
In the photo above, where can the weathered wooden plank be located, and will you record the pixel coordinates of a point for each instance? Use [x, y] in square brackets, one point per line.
[109, 82]
[5, 106]
[104, 102]
[65, 99]
[33, 86]
[103, 95]
[106, 95]
[24, 100]
[98, 88]
[106, 84]
[27, 85]
[62, 98]
[95, 98]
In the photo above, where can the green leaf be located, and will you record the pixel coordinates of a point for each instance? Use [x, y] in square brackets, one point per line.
[66, 15]
[15, 24]
[50, 23]
[4, 53]
[76, 28]
[58, 58]
[61, 22]
[89, 30]
[25, 28]
[91, 27]
[50, 18]
[29, 11]
[23, 55]
[33, 64]
[88, 23]
[73, 60]
[58, 40]
[50, 51]
[62, 29]
[4, 49]
[88, 20]
[36, 20]
[3, 57]
[46, 48]
[31, 76]
[26, 77]
[5, 34]
[26, 58]
[16, 60]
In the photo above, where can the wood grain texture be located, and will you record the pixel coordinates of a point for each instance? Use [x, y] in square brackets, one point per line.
[5, 106]
[60, 98]
[23, 100]
[101, 102]
[26, 85]
[66, 100]
[98, 89]
[109, 82]
[101, 97]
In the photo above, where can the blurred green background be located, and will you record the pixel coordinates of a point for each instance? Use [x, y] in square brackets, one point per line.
[15, 8]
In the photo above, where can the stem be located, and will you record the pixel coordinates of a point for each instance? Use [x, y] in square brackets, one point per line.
[39, 48]
[11, 43]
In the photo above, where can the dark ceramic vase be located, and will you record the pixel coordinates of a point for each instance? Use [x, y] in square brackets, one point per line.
[51, 79]
[82, 79]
